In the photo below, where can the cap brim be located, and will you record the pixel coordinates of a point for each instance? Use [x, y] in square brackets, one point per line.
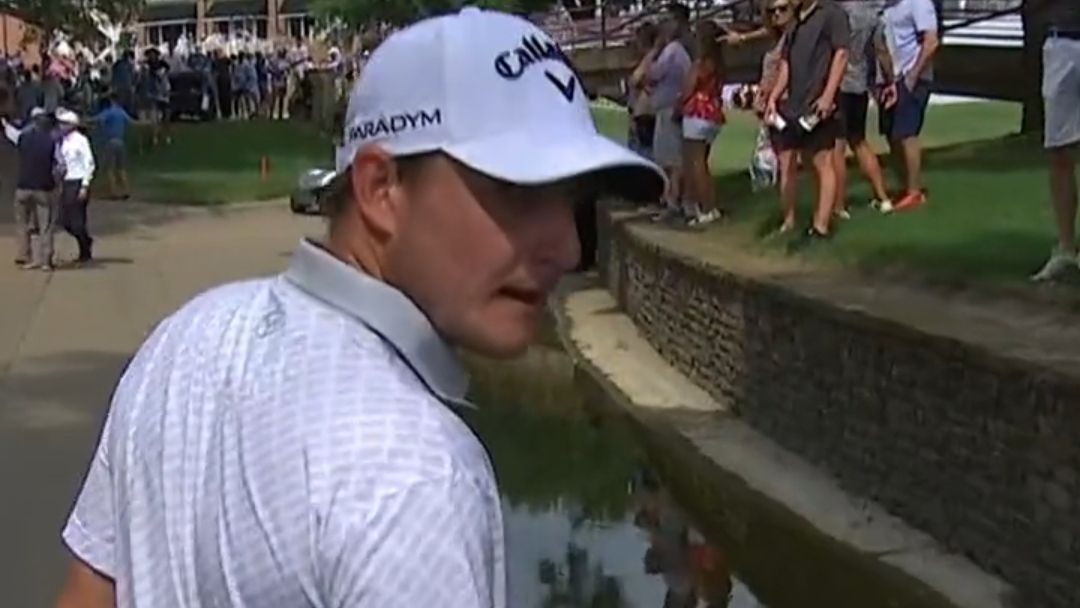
[528, 159]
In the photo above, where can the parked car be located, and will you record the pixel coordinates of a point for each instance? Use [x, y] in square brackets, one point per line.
[189, 96]
[306, 197]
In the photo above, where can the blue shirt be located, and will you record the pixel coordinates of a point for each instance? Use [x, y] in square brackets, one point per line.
[906, 22]
[114, 121]
[123, 75]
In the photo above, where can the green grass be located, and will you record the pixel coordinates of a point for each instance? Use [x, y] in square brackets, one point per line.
[988, 218]
[218, 162]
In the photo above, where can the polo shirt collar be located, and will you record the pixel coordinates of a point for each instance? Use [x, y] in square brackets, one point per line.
[387, 312]
[800, 18]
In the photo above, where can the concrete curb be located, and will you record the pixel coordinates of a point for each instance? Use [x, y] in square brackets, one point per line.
[744, 472]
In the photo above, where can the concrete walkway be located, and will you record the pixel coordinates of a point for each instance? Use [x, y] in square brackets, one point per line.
[65, 338]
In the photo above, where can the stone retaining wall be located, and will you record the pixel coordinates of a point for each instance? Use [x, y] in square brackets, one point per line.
[980, 451]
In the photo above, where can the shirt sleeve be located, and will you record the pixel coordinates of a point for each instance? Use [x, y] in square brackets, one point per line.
[839, 30]
[12, 133]
[91, 166]
[90, 532]
[925, 16]
[429, 544]
[661, 65]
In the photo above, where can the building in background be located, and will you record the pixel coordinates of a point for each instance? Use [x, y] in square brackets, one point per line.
[14, 39]
[164, 21]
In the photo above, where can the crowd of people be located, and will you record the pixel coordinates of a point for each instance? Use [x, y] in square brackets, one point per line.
[242, 84]
[47, 106]
[827, 61]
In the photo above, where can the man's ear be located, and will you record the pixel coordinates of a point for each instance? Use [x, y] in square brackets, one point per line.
[376, 191]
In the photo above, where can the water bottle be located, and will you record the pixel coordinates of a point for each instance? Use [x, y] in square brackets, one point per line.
[809, 122]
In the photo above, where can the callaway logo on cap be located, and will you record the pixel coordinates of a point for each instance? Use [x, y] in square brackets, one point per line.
[492, 91]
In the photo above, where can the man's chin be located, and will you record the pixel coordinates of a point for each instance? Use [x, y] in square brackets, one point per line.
[502, 341]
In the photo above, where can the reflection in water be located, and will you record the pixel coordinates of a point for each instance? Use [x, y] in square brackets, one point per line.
[588, 525]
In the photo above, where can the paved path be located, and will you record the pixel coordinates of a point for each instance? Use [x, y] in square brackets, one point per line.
[65, 338]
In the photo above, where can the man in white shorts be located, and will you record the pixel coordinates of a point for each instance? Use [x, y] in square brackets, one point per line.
[292, 441]
[1061, 95]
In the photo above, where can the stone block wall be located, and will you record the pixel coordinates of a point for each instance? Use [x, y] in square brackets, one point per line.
[980, 451]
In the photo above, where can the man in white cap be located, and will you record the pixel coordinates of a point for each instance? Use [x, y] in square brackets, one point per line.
[77, 161]
[292, 441]
[35, 205]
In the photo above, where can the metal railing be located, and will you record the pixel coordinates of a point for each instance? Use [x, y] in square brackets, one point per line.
[964, 22]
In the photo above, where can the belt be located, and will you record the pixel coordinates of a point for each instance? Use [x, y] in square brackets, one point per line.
[1066, 34]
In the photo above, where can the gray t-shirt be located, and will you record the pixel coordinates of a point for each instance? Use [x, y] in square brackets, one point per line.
[864, 19]
[668, 74]
[811, 43]
[1064, 15]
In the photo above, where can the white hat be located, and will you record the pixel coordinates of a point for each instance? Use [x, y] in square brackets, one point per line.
[38, 111]
[67, 117]
[492, 91]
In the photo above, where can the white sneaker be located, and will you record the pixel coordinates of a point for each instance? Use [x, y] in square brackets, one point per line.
[704, 219]
[884, 206]
[1059, 263]
[843, 214]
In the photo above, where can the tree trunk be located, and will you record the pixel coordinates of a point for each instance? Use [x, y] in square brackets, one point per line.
[1034, 34]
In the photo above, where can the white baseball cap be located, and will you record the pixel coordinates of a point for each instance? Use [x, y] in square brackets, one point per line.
[37, 111]
[494, 92]
[66, 116]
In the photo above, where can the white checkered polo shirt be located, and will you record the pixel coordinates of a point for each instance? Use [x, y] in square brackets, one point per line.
[287, 442]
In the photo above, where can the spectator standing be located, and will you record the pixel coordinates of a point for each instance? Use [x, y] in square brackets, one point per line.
[223, 78]
[1061, 96]
[804, 100]
[912, 33]
[28, 94]
[262, 77]
[763, 167]
[77, 165]
[279, 85]
[669, 63]
[113, 122]
[701, 107]
[122, 80]
[52, 91]
[295, 440]
[868, 50]
[639, 94]
[35, 204]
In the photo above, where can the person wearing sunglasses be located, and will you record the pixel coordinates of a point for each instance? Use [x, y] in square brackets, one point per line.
[802, 106]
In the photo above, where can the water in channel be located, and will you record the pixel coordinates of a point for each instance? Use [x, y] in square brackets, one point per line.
[588, 523]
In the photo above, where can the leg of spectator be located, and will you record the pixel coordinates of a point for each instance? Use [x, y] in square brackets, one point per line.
[691, 195]
[708, 185]
[825, 168]
[841, 172]
[46, 208]
[896, 157]
[789, 187]
[22, 227]
[913, 164]
[871, 168]
[1063, 191]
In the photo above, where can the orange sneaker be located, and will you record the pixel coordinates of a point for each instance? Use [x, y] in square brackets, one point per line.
[911, 200]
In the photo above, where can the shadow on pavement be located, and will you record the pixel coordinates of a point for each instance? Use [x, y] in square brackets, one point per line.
[51, 412]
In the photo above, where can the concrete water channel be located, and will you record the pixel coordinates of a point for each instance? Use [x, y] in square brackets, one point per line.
[603, 512]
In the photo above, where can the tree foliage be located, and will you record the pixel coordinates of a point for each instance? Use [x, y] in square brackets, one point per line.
[364, 13]
[74, 17]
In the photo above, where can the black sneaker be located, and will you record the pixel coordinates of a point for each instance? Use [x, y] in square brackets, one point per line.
[807, 239]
